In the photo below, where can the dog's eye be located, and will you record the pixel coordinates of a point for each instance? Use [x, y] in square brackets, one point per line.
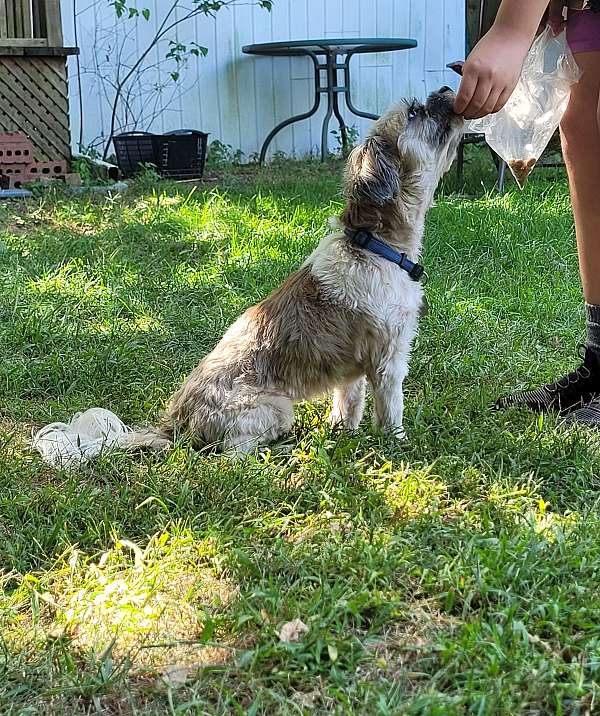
[412, 113]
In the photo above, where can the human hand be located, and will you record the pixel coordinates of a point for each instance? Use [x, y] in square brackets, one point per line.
[490, 73]
[556, 20]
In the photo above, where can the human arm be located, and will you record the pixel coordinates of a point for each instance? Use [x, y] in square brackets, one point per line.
[492, 70]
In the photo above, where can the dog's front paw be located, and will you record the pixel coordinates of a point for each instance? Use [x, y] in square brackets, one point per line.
[340, 422]
[397, 434]
[392, 432]
[335, 419]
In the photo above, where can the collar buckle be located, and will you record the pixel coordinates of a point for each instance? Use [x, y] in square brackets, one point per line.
[359, 236]
[416, 272]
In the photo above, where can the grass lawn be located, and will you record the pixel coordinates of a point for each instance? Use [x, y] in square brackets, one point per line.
[457, 573]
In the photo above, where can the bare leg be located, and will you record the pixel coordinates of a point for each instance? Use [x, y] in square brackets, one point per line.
[580, 131]
[348, 404]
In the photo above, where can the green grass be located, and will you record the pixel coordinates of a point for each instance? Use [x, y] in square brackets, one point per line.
[453, 574]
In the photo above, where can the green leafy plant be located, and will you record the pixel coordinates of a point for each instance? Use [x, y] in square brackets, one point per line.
[352, 139]
[146, 181]
[220, 154]
[84, 167]
[174, 14]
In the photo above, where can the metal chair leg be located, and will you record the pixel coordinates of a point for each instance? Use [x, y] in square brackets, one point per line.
[501, 173]
[287, 122]
[460, 161]
[325, 130]
[331, 77]
[500, 168]
[297, 117]
[347, 95]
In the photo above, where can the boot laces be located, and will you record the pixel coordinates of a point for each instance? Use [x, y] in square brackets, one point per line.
[580, 373]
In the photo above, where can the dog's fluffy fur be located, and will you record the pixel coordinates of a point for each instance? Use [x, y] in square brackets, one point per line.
[345, 317]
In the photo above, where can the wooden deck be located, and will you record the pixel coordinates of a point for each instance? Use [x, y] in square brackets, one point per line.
[33, 76]
[480, 16]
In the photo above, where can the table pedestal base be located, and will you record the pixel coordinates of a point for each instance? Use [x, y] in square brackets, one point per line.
[332, 89]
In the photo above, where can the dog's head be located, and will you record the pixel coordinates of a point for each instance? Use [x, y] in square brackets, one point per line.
[402, 160]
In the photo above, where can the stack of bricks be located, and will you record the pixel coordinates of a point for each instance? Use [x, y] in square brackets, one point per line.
[17, 165]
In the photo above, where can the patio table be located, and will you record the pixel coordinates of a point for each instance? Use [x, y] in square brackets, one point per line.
[324, 55]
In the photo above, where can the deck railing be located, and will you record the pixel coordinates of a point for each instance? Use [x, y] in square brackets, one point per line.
[30, 23]
[480, 16]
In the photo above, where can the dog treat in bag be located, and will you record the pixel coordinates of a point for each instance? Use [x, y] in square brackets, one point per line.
[521, 130]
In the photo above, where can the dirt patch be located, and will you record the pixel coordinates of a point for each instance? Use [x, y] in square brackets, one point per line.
[401, 651]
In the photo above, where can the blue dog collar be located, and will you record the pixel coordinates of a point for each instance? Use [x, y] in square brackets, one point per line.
[366, 240]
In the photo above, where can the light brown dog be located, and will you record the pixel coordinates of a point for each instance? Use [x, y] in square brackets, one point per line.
[346, 316]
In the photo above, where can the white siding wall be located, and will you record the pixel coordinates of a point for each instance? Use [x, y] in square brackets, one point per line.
[238, 98]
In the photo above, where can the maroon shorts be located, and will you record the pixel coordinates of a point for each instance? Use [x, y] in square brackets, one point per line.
[583, 31]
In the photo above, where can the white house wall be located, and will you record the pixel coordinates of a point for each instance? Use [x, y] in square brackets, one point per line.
[238, 98]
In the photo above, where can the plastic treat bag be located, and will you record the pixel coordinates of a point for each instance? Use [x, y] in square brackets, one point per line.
[521, 130]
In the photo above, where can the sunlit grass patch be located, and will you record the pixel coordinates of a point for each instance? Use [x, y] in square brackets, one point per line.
[147, 607]
[408, 492]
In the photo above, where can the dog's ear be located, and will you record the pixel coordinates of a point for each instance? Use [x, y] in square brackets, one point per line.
[371, 175]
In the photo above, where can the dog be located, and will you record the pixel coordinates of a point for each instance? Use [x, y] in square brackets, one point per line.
[348, 315]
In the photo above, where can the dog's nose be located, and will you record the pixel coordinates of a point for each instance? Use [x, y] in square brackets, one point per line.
[444, 89]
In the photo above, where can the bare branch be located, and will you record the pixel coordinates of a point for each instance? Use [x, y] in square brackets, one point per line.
[121, 74]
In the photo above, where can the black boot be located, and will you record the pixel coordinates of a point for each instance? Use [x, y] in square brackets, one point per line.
[573, 391]
[588, 415]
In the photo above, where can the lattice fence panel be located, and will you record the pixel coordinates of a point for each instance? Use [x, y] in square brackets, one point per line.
[34, 100]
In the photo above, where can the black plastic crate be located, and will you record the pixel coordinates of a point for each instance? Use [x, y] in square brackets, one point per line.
[182, 154]
[134, 149]
[177, 155]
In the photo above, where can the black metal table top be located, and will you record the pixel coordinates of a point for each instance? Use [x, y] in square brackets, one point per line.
[353, 45]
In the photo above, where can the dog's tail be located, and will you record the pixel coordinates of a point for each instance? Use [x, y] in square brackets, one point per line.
[144, 438]
[92, 433]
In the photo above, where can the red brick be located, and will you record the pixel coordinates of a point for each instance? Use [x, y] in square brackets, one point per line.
[14, 170]
[48, 169]
[15, 148]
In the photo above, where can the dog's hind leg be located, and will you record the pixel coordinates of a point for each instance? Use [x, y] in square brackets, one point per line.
[271, 417]
[348, 404]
